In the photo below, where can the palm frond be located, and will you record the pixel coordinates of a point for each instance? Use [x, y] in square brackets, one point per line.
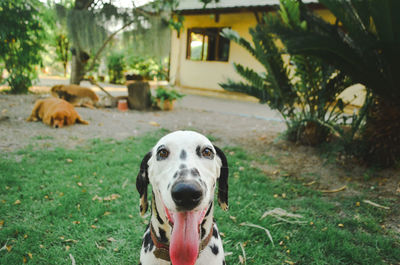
[234, 36]
[245, 88]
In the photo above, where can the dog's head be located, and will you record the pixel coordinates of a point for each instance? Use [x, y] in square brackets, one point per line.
[60, 119]
[184, 168]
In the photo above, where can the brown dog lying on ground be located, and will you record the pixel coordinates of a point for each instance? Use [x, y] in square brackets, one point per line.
[55, 112]
[76, 95]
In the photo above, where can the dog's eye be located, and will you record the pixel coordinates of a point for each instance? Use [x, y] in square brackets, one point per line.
[163, 153]
[207, 153]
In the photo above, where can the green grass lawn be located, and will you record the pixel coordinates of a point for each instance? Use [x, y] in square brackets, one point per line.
[82, 203]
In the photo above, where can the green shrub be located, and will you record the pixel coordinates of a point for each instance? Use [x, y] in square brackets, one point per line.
[148, 68]
[21, 37]
[167, 94]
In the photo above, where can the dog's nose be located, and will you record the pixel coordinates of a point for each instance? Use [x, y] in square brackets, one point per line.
[56, 126]
[186, 195]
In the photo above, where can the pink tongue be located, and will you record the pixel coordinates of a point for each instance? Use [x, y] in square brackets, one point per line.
[184, 245]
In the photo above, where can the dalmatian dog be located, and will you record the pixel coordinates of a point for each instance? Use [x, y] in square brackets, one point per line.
[183, 168]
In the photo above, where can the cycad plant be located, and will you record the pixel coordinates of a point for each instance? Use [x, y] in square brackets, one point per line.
[364, 43]
[305, 93]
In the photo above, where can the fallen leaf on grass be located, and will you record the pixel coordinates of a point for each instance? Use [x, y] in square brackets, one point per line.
[233, 218]
[260, 227]
[17, 202]
[279, 213]
[71, 241]
[111, 239]
[376, 205]
[276, 172]
[79, 184]
[98, 246]
[73, 262]
[310, 183]
[69, 160]
[106, 213]
[125, 183]
[107, 198]
[112, 197]
[1, 223]
[244, 259]
[334, 190]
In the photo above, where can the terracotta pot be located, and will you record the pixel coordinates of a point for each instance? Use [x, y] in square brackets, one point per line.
[122, 105]
[166, 104]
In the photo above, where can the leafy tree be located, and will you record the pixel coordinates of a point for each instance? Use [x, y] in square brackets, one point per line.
[88, 21]
[307, 98]
[21, 37]
[364, 43]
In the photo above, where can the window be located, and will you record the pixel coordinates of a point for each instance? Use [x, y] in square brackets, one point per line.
[207, 44]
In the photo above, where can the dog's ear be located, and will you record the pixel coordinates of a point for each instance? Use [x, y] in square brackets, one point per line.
[142, 181]
[223, 180]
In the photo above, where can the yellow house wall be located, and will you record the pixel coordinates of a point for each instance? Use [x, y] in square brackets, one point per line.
[207, 74]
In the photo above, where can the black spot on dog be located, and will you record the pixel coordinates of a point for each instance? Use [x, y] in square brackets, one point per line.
[208, 211]
[163, 236]
[215, 233]
[169, 185]
[198, 152]
[182, 166]
[195, 172]
[182, 173]
[214, 249]
[203, 232]
[147, 242]
[175, 175]
[183, 155]
[223, 262]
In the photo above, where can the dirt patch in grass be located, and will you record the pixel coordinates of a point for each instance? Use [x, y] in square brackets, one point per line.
[259, 137]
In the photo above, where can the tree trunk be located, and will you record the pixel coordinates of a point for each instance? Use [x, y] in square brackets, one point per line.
[382, 133]
[78, 63]
[65, 69]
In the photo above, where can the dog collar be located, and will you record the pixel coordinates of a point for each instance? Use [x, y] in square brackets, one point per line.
[162, 249]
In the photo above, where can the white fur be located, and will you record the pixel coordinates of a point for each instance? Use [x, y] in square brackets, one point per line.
[161, 178]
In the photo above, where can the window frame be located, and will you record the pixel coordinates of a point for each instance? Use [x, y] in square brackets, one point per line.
[203, 31]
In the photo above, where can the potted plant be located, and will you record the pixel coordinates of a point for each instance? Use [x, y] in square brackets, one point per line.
[165, 98]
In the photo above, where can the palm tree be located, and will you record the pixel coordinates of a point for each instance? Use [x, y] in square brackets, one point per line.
[305, 94]
[364, 43]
